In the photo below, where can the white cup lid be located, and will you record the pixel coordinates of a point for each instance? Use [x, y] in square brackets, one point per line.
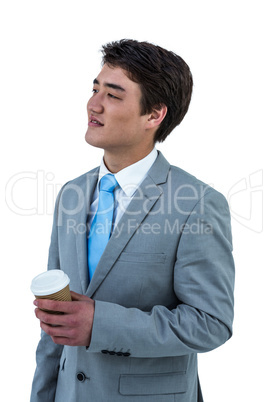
[49, 282]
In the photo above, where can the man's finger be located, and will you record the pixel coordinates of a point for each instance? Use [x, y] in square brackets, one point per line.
[78, 297]
[53, 305]
[51, 319]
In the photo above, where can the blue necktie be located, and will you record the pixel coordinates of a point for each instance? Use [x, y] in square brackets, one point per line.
[100, 230]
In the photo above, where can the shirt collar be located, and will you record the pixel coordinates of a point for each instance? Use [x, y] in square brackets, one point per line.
[131, 177]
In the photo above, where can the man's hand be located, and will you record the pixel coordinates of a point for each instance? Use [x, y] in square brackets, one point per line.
[74, 327]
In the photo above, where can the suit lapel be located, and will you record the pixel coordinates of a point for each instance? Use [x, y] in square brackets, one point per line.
[86, 190]
[140, 206]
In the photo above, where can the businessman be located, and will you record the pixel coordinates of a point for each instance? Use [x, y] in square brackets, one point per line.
[146, 245]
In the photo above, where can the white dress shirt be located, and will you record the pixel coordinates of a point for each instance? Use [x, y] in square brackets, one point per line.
[129, 179]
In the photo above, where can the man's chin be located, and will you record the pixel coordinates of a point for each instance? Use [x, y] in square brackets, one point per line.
[95, 142]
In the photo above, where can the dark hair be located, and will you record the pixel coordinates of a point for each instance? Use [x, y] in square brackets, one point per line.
[164, 78]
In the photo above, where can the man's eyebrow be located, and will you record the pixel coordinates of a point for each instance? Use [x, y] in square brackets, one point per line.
[110, 85]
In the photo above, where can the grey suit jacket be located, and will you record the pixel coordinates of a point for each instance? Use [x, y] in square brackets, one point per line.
[163, 290]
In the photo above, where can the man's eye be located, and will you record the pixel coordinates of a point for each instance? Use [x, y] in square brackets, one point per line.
[95, 91]
[112, 96]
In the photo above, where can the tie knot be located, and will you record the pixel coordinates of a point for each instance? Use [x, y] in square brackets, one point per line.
[108, 183]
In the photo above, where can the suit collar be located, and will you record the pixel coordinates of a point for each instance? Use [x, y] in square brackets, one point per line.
[160, 169]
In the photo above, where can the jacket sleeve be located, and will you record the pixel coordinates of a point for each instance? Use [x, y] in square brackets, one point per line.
[48, 353]
[203, 284]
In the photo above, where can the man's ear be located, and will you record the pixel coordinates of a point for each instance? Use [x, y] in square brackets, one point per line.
[156, 117]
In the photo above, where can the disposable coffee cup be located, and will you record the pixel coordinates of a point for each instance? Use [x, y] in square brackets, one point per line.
[52, 285]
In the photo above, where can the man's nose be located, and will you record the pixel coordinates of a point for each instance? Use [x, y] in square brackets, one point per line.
[95, 104]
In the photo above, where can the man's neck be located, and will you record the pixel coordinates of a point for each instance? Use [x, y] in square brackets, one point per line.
[115, 163]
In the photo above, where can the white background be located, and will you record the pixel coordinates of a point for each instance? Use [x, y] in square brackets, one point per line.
[50, 55]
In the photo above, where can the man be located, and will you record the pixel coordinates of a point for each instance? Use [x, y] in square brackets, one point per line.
[160, 290]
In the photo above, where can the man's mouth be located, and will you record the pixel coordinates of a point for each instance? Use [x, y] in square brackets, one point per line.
[95, 122]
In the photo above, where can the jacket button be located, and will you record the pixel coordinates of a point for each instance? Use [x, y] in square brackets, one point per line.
[81, 377]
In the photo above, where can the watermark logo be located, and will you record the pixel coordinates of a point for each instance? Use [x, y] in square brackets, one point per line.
[34, 193]
[245, 199]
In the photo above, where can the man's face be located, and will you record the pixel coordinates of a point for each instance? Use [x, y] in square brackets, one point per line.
[114, 119]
